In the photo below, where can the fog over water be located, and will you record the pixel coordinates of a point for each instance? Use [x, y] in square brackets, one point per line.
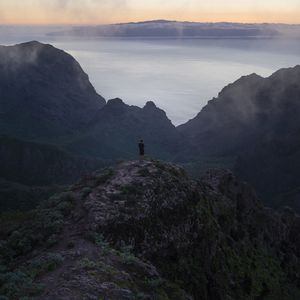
[180, 76]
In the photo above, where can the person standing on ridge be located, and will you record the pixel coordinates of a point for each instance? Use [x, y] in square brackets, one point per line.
[142, 149]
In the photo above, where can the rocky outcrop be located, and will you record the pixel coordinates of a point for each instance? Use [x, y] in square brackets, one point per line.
[144, 230]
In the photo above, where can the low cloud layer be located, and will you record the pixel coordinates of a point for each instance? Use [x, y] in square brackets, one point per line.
[106, 11]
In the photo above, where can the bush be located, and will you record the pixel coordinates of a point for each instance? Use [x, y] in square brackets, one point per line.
[15, 285]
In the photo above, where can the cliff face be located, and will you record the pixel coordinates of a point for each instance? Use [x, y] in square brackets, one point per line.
[144, 230]
[44, 93]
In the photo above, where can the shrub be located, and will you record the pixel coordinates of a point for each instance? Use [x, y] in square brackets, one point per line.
[44, 264]
[15, 285]
[101, 242]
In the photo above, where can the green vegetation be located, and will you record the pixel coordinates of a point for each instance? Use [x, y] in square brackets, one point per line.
[21, 281]
[22, 232]
[36, 228]
[104, 177]
[103, 244]
[152, 238]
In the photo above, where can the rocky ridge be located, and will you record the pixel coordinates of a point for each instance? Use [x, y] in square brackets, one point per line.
[145, 230]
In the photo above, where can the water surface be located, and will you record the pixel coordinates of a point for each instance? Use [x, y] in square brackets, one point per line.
[180, 76]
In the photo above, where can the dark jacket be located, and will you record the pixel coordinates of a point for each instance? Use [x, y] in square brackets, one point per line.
[142, 148]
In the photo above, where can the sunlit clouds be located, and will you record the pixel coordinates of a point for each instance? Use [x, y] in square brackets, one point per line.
[111, 11]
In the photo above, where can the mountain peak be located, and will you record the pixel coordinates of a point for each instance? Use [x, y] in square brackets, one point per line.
[287, 74]
[253, 77]
[33, 43]
[115, 102]
[150, 105]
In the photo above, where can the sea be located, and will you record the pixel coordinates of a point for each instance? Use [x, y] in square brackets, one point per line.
[178, 75]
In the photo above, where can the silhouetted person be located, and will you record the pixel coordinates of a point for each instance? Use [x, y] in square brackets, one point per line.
[142, 149]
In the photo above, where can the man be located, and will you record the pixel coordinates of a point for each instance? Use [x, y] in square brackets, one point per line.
[142, 149]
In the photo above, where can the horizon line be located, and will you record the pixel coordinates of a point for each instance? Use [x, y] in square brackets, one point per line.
[142, 21]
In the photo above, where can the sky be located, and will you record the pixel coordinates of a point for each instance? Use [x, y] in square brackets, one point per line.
[112, 11]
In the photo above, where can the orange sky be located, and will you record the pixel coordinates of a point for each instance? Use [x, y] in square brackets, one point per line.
[109, 11]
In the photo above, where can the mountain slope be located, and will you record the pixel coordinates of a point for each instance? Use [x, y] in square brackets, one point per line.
[40, 164]
[44, 93]
[31, 172]
[256, 120]
[133, 231]
[252, 107]
[20, 197]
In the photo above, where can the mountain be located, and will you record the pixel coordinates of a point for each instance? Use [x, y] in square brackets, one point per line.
[145, 230]
[178, 29]
[46, 99]
[256, 120]
[44, 93]
[117, 127]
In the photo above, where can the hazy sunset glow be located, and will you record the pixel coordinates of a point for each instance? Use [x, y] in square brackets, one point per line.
[108, 11]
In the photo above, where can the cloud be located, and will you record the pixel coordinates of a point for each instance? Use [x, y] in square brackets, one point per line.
[89, 10]
[106, 11]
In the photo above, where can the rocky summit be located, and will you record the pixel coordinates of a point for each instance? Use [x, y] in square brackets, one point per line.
[145, 230]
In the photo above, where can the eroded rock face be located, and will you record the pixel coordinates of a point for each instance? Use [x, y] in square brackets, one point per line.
[144, 230]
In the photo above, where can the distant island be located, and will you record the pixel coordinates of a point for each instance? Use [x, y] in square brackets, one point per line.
[176, 29]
